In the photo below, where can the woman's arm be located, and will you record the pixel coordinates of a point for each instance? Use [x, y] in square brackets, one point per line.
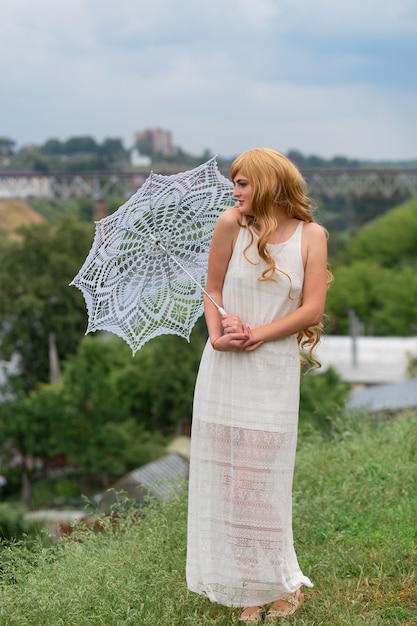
[221, 249]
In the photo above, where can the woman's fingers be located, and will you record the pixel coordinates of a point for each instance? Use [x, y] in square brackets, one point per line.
[253, 346]
[237, 342]
[233, 324]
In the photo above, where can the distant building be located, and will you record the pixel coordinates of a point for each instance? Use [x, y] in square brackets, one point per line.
[139, 160]
[154, 141]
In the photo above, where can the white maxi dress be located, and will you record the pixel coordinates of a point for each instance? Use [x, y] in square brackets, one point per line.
[244, 433]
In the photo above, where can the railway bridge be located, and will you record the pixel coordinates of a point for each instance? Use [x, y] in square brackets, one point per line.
[328, 183]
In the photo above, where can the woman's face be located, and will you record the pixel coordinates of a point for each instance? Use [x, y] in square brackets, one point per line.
[243, 192]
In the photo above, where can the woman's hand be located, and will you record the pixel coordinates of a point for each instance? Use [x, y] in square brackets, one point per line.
[233, 324]
[236, 342]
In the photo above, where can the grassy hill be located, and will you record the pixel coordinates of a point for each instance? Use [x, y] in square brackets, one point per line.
[15, 213]
[355, 511]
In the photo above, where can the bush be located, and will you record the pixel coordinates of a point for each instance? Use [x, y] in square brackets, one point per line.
[323, 399]
[13, 524]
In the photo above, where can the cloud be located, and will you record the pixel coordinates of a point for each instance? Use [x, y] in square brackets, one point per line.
[324, 77]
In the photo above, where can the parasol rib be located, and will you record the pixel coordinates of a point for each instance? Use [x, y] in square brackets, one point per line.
[219, 308]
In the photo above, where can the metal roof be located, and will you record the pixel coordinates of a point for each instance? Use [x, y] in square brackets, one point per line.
[384, 398]
[161, 478]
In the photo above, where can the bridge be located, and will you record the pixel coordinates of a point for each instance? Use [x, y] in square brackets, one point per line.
[328, 183]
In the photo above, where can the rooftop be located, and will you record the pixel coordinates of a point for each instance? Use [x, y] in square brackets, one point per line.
[390, 398]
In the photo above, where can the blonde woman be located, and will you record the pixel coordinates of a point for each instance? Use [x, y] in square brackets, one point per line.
[268, 270]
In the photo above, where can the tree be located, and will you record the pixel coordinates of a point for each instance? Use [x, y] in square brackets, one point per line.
[52, 147]
[359, 287]
[158, 383]
[35, 297]
[389, 239]
[120, 409]
[112, 149]
[86, 418]
[397, 315]
[76, 145]
[29, 158]
[375, 275]
[30, 429]
[385, 300]
[6, 146]
[95, 409]
[144, 144]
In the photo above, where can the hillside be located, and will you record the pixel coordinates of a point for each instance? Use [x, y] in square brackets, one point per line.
[354, 528]
[15, 213]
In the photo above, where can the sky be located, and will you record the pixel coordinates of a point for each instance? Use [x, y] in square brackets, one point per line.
[322, 77]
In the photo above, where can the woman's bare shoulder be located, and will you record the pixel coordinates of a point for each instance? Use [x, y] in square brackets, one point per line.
[313, 230]
[230, 219]
[231, 215]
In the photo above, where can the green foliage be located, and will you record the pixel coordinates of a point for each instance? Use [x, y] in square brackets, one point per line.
[31, 427]
[111, 412]
[388, 240]
[56, 492]
[354, 514]
[29, 158]
[385, 300]
[155, 387]
[144, 144]
[314, 161]
[158, 383]
[53, 210]
[52, 147]
[75, 145]
[359, 286]
[375, 276]
[323, 398]
[6, 146]
[76, 154]
[96, 432]
[112, 149]
[397, 315]
[83, 419]
[35, 298]
[14, 525]
[30, 423]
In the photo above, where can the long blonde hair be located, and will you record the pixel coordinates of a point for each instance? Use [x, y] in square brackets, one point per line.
[277, 182]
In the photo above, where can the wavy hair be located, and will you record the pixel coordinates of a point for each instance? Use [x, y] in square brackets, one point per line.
[277, 182]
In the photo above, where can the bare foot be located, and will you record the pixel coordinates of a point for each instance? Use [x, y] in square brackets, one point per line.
[252, 615]
[283, 608]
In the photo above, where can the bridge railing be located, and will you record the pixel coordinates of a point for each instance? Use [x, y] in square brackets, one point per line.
[322, 183]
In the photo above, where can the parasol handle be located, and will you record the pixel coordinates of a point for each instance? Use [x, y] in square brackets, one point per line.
[218, 307]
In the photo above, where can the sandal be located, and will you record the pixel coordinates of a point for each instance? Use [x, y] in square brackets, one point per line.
[282, 608]
[252, 615]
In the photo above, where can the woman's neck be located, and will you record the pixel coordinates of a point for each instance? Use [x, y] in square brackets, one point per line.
[284, 228]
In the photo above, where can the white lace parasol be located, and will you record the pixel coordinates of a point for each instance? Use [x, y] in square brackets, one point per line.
[145, 273]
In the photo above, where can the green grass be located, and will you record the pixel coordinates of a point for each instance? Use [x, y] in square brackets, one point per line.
[355, 524]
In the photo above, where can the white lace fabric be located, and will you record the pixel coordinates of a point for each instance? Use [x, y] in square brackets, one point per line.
[136, 278]
[244, 437]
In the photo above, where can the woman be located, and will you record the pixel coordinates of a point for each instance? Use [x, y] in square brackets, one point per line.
[268, 270]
